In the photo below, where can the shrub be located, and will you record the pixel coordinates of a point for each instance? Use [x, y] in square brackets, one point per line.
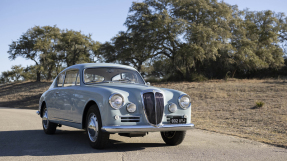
[259, 104]
[198, 78]
[152, 80]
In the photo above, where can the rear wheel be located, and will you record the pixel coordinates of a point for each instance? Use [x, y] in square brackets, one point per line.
[97, 138]
[48, 127]
[173, 137]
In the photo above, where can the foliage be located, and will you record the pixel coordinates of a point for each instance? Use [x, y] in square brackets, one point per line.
[259, 104]
[179, 39]
[51, 49]
[74, 47]
[169, 40]
[198, 77]
[15, 74]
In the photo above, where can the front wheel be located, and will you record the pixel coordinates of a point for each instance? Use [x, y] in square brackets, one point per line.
[173, 137]
[97, 138]
[48, 127]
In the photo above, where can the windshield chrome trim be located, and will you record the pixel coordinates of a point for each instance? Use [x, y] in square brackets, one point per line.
[83, 73]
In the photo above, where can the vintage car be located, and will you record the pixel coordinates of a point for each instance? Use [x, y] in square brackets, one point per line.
[105, 99]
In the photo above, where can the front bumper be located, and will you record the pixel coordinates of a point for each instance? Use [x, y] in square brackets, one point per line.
[147, 128]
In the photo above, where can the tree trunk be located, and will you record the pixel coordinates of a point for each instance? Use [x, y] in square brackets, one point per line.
[187, 70]
[233, 73]
[49, 75]
[187, 73]
[177, 69]
[38, 76]
[139, 67]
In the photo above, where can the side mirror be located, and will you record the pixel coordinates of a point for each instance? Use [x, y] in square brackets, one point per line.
[147, 83]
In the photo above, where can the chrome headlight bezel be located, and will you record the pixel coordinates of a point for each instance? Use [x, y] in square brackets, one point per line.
[170, 108]
[112, 98]
[179, 101]
[130, 106]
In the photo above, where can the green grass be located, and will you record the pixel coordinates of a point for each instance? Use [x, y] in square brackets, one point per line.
[259, 104]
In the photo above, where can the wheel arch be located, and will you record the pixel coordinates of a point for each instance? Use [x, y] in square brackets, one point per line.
[42, 106]
[88, 105]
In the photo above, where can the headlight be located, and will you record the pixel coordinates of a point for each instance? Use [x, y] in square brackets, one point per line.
[184, 101]
[131, 107]
[116, 101]
[172, 107]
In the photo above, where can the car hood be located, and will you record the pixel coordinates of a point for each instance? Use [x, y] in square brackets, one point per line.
[124, 86]
[133, 91]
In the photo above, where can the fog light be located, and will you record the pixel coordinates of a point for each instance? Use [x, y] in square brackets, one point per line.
[184, 116]
[172, 107]
[117, 117]
[131, 107]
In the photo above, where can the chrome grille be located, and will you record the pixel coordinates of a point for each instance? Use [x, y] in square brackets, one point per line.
[130, 119]
[154, 107]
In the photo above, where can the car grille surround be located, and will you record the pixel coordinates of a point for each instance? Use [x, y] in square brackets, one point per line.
[153, 102]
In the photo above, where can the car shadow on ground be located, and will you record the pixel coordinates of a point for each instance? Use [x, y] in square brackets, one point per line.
[37, 143]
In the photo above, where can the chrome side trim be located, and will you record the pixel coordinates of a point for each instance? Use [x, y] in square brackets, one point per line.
[147, 128]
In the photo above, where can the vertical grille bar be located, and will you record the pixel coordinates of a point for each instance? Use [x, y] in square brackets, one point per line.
[154, 107]
[159, 107]
[149, 104]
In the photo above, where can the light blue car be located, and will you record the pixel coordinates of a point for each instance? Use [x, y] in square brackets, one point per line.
[105, 98]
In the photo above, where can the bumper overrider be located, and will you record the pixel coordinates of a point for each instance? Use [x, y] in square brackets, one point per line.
[147, 128]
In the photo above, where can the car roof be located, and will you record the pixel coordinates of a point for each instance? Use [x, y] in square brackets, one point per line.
[99, 65]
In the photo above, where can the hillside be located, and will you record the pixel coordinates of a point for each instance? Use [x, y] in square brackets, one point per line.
[220, 106]
[22, 94]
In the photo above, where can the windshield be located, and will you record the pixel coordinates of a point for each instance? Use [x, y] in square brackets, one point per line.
[111, 75]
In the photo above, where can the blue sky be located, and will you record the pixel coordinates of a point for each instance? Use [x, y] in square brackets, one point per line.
[102, 19]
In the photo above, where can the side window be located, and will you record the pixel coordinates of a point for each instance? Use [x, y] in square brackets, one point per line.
[60, 79]
[70, 79]
[78, 79]
[117, 77]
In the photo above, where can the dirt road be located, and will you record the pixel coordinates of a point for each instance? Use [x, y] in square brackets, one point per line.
[22, 138]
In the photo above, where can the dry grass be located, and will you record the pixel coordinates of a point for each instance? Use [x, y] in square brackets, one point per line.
[220, 106]
[228, 107]
[22, 94]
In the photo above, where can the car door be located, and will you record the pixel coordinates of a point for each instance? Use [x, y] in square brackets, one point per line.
[68, 109]
[54, 104]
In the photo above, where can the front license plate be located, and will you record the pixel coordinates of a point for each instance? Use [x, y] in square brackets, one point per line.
[178, 121]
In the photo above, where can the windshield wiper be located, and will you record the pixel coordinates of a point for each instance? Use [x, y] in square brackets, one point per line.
[93, 81]
[124, 81]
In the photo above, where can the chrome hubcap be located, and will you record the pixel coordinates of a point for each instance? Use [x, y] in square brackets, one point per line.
[45, 120]
[93, 127]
